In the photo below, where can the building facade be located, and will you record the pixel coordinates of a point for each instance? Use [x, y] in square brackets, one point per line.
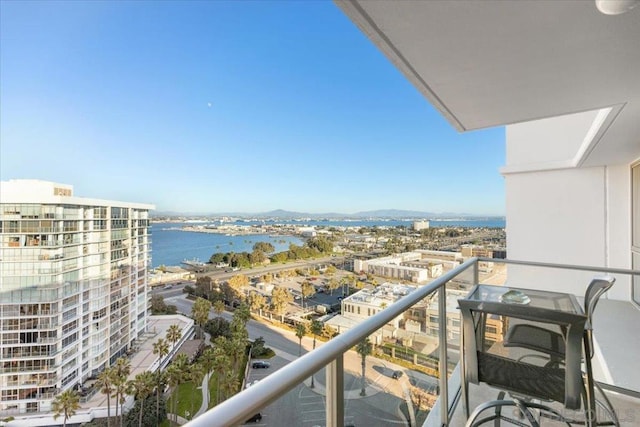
[73, 289]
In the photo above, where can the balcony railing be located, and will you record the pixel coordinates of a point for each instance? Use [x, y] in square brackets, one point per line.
[409, 336]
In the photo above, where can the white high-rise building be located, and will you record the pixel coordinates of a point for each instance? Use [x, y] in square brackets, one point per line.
[73, 288]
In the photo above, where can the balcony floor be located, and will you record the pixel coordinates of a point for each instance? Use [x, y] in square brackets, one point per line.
[627, 408]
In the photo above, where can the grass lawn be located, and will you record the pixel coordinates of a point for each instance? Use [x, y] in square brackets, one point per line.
[186, 398]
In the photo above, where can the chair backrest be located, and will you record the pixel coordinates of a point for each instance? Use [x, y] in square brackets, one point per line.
[597, 287]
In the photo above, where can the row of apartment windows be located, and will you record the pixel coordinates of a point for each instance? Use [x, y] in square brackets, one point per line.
[29, 323]
[36, 211]
[351, 308]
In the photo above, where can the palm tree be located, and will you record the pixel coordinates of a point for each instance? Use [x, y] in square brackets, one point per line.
[200, 313]
[230, 383]
[122, 370]
[174, 333]
[221, 363]
[105, 384]
[176, 374]
[141, 387]
[301, 329]
[160, 378]
[196, 375]
[161, 348]
[364, 349]
[316, 329]
[65, 403]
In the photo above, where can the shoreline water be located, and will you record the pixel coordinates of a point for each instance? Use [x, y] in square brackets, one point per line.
[174, 242]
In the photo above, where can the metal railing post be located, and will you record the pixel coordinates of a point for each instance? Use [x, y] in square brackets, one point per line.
[335, 392]
[443, 365]
[476, 272]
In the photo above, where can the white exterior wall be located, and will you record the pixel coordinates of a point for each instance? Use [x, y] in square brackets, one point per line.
[567, 215]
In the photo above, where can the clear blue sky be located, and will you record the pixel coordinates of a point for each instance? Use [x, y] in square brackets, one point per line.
[228, 106]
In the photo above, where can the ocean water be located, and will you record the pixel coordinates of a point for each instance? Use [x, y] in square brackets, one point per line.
[171, 246]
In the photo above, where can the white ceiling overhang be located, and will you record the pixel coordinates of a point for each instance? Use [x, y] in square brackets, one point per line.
[492, 63]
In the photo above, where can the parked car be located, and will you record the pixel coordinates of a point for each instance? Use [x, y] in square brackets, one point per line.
[260, 364]
[256, 417]
[396, 375]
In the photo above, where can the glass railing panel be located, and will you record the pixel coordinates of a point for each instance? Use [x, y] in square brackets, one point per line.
[301, 406]
[400, 342]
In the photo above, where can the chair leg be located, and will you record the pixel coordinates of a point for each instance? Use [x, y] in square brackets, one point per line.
[496, 422]
[607, 406]
[471, 422]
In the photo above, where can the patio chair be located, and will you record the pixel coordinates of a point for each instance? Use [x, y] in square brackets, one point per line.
[550, 344]
[492, 364]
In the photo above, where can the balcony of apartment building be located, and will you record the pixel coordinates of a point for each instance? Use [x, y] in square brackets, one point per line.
[420, 394]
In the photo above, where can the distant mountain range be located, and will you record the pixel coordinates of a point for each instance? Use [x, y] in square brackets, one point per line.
[281, 213]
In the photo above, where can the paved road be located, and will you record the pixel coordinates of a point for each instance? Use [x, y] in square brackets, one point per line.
[305, 407]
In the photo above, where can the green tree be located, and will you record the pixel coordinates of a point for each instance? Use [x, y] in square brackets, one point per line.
[200, 313]
[301, 330]
[158, 306]
[238, 281]
[141, 387]
[122, 370]
[66, 404]
[364, 349]
[176, 375]
[105, 385]
[218, 308]
[265, 247]
[174, 333]
[222, 363]
[161, 348]
[316, 329]
[332, 285]
[256, 302]
[160, 377]
[257, 257]
[280, 297]
[218, 326]
[230, 384]
[307, 290]
[149, 418]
